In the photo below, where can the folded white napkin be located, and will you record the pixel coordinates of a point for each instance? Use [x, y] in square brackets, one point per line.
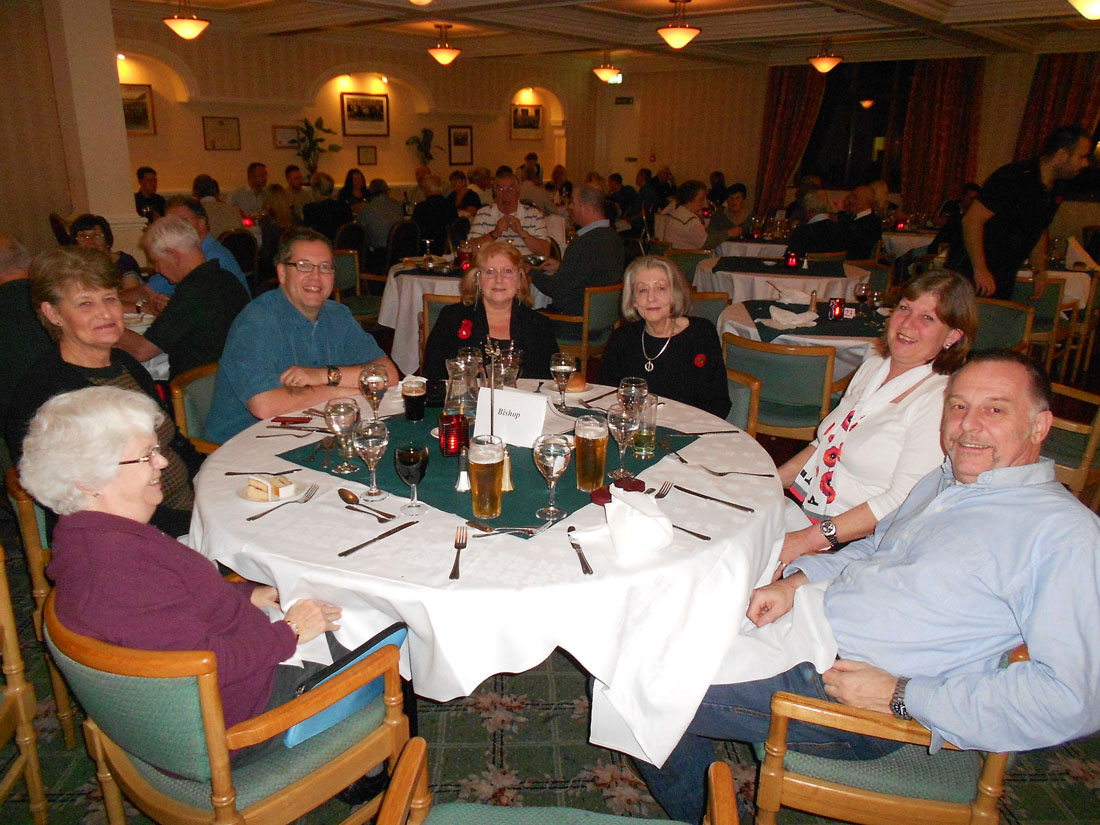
[1076, 254]
[793, 296]
[636, 527]
[785, 319]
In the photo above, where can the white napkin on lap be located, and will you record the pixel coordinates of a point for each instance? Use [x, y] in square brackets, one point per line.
[793, 296]
[785, 319]
[1076, 254]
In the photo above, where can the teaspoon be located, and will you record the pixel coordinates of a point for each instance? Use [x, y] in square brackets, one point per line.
[348, 497]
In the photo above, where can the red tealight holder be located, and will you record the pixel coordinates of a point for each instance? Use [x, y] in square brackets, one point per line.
[246, 221]
[454, 434]
[836, 309]
[792, 259]
[900, 225]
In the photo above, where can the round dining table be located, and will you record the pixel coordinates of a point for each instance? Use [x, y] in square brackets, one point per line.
[899, 242]
[712, 276]
[652, 627]
[751, 249]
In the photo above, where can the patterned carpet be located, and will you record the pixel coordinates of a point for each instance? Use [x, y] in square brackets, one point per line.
[519, 740]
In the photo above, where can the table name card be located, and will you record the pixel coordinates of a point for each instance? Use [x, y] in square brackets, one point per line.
[519, 416]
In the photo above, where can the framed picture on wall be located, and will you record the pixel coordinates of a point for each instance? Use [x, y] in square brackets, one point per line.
[526, 122]
[284, 137]
[221, 133]
[137, 108]
[365, 114]
[460, 145]
[368, 155]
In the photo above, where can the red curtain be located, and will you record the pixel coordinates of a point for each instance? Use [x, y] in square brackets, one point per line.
[1064, 91]
[793, 100]
[939, 152]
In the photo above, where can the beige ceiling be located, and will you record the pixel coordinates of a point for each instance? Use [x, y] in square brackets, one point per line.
[733, 31]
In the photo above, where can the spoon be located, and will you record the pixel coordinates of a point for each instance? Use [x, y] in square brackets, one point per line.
[348, 497]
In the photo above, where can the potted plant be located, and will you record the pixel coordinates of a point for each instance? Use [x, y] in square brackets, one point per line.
[422, 145]
[310, 140]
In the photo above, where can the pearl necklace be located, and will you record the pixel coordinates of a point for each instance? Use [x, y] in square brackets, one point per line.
[649, 361]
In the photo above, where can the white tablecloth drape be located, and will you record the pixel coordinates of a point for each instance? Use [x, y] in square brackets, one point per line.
[898, 243]
[653, 631]
[746, 286]
[750, 249]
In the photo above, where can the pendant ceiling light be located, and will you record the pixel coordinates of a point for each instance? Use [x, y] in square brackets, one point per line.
[186, 23]
[678, 33]
[420, 2]
[867, 104]
[605, 71]
[825, 61]
[1090, 9]
[443, 51]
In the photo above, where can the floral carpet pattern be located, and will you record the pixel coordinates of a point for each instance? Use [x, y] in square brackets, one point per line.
[520, 739]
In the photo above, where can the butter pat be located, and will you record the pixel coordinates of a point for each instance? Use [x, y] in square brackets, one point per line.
[269, 488]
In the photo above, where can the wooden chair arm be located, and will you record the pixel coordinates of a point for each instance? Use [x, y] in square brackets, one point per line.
[203, 446]
[569, 319]
[841, 384]
[277, 720]
[722, 799]
[789, 706]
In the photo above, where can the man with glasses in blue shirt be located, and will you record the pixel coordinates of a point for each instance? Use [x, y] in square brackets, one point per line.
[291, 348]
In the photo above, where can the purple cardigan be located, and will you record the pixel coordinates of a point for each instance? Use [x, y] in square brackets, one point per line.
[129, 584]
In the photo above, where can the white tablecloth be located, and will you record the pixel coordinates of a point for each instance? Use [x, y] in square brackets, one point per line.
[898, 243]
[850, 352]
[157, 366]
[750, 249]
[1077, 283]
[745, 286]
[653, 631]
[555, 225]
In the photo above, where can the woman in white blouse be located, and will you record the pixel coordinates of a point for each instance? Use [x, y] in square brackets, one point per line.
[884, 435]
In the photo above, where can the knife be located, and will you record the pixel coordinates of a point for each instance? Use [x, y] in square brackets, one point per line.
[379, 537]
[708, 432]
[301, 427]
[586, 568]
[587, 402]
[740, 507]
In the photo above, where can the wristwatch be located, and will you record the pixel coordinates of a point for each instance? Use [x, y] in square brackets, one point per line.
[828, 530]
[334, 376]
[897, 701]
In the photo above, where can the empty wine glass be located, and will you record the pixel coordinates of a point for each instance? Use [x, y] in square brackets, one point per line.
[371, 439]
[622, 423]
[562, 367]
[632, 391]
[878, 298]
[341, 415]
[372, 383]
[551, 454]
[411, 462]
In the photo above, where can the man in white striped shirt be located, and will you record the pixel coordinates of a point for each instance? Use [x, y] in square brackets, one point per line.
[509, 220]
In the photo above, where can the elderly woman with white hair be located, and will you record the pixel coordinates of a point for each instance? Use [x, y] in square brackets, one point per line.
[93, 457]
[679, 356]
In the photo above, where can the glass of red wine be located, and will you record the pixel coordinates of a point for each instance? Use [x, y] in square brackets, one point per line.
[411, 462]
[863, 293]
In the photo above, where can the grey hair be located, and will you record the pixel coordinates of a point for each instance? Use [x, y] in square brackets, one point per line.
[76, 440]
[591, 195]
[323, 183]
[13, 255]
[816, 200]
[173, 233]
[680, 301]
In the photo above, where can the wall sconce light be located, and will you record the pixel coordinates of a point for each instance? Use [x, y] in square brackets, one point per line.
[420, 2]
[825, 61]
[678, 33]
[867, 104]
[605, 71]
[1089, 9]
[185, 22]
[443, 51]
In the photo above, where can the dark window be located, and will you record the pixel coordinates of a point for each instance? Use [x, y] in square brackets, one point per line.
[853, 145]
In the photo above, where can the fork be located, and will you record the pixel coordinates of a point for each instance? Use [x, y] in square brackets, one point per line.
[311, 491]
[666, 488]
[460, 545]
[719, 473]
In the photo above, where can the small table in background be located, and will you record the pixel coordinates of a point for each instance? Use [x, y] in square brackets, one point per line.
[756, 279]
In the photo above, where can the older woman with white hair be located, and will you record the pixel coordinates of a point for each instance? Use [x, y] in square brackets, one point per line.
[93, 457]
[679, 356]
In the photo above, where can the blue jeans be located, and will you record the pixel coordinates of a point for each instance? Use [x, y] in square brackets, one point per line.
[743, 712]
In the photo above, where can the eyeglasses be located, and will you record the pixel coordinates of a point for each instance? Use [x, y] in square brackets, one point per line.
[89, 234]
[506, 273]
[308, 266]
[507, 189]
[145, 459]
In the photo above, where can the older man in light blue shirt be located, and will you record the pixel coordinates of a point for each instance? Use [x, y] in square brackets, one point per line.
[987, 551]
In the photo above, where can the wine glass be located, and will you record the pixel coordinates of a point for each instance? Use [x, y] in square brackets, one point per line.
[622, 423]
[551, 454]
[632, 391]
[371, 439]
[562, 367]
[878, 298]
[372, 383]
[863, 292]
[341, 415]
[411, 462]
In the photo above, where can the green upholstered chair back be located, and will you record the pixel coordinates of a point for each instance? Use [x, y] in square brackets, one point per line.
[1047, 306]
[346, 262]
[192, 395]
[688, 260]
[158, 720]
[352, 236]
[242, 245]
[603, 312]
[709, 305]
[404, 241]
[793, 380]
[1003, 324]
[744, 393]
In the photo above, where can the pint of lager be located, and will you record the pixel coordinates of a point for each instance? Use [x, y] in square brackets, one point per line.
[486, 455]
[590, 436]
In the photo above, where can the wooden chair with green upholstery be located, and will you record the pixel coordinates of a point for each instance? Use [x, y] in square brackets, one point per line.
[243, 246]
[795, 383]
[745, 399]
[1048, 330]
[1071, 444]
[155, 730]
[426, 318]
[688, 260]
[1003, 325]
[17, 709]
[348, 283]
[408, 801]
[36, 550]
[709, 305]
[192, 393]
[951, 787]
[586, 335]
